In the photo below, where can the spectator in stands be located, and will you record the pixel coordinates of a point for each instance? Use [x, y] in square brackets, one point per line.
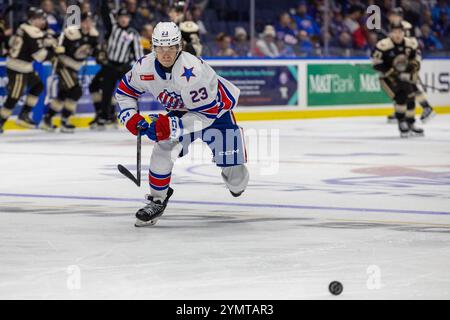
[53, 18]
[442, 26]
[85, 6]
[5, 34]
[197, 14]
[266, 46]
[224, 48]
[412, 11]
[146, 38]
[137, 19]
[428, 40]
[345, 44]
[441, 6]
[427, 18]
[285, 49]
[337, 25]
[241, 43]
[285, 27]
[352, 23]
[304, 21]
[306, 45]
[372, 40]
[175, 13]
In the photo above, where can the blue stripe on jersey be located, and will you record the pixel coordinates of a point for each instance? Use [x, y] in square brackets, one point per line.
[124, 93]
[211, 116]
[123, 110]
[125, 81]
[207, 106]
[233, 100]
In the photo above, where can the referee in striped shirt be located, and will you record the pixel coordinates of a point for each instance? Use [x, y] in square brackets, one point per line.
[123, 48]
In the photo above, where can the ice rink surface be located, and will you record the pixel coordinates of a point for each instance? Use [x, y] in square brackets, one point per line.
[346, 200]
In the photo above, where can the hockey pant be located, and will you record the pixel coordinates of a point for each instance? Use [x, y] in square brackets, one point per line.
[403, 95]
[17, 82]
[69, 92]
[95, 89]
[226, 141]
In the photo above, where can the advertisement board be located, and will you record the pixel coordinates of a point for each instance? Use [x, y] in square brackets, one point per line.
[300, 87]
[263, 85]
[343, 84]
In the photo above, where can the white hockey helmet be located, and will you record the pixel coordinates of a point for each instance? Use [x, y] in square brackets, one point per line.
[166, 34]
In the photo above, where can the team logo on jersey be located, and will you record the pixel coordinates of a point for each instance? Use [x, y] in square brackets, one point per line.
[147, 77]
[170, 100]
[188, 73]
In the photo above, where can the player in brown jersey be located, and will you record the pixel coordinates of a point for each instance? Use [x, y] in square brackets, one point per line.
[79, 44]
[396, 16]
[398, 59]
[28, 44]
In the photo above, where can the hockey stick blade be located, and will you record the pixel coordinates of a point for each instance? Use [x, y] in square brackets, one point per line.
[128, 174]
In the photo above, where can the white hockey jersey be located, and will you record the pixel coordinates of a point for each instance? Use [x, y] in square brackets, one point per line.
[192, 86]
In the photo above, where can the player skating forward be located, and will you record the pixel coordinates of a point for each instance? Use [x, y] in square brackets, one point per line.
[79, 43]
[27, 45]
[398, 59]
[199, 104]
[396, 16]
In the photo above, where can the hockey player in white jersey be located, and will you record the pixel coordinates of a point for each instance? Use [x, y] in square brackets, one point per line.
[199, 105]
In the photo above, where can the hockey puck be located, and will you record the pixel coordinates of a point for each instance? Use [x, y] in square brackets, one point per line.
[336, 288]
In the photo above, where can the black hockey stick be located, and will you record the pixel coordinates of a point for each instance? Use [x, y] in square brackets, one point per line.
[125, 171]
[431, 87]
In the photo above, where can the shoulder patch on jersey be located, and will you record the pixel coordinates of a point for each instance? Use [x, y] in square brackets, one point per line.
[385, 44]
[94, 32]
[72, 33]
[406, 25]
[411, 42]
[32, 31]
[147, 77]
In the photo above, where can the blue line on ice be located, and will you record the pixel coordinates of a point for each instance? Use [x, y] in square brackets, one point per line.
[213, 203]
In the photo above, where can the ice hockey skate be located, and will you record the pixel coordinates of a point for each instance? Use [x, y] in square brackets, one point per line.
[67, 127]
[25, 121]
[391, 118]
[403, 127]
[47, 124]
[415, 131]
[427, 115]
[2, 123]
[149, 215]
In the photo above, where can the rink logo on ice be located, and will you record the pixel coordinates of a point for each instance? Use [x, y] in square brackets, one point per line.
[74, 279]
[374, 280]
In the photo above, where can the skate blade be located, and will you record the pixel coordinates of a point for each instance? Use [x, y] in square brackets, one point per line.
[67, 131]
[98, 128]
[140, 223]
[25, 124]
[46, 128]
[404, 135]
[427, 119]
